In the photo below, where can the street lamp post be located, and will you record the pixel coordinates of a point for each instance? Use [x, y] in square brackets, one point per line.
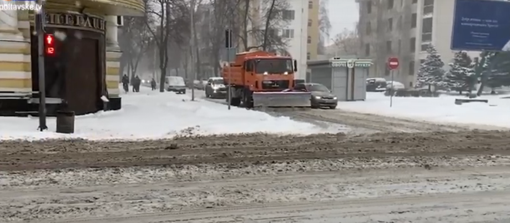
[39, 24]
[192, 46]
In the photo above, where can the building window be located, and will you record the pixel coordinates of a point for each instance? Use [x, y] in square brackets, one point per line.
[388, 46]
[415, 1]
[310, 4]
[428, 2]
[427, 25]
[288, 33]
[426, 37]
[391, 4]
[288, 15]
[369, 7]
[368, 28]
[412, 45]
[390, 24]
[411, 69]
[399, 46]
[424, 46]
[308, 55]
[414, 20]
[428, 7]
[309, 39]
[399, 23]
[367, 50]
[272, 32]
[310, 22]
[426, 30]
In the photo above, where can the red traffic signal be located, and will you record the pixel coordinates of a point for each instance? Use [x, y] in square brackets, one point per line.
[49, 39]
[50, 50]
[49, 42]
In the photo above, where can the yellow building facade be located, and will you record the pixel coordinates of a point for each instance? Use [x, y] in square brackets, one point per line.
[313, 29]
[84, 67]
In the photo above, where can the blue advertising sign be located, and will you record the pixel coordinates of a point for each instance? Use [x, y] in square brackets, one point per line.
[481, 25]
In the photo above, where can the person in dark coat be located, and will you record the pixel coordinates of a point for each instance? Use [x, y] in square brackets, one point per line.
[137, 83]
[125, 83]
[133, 83]
[153, 84]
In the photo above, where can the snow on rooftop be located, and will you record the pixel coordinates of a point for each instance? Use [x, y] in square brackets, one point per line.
[150, 115]
[441, 110]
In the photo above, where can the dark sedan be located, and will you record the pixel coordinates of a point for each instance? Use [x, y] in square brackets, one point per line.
[321, 95]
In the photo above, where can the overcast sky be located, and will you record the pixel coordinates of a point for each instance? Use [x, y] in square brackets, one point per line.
[342, 14]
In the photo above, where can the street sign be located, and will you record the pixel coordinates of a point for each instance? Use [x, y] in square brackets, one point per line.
[350, 64]
[393, 63]
[228, 38]
[481, 25]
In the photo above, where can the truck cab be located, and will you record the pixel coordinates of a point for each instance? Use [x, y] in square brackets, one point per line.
[257, 74]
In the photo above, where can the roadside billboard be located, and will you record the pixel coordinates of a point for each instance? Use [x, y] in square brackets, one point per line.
[481, 25]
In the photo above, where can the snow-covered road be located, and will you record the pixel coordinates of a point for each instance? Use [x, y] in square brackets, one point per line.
[464, 191]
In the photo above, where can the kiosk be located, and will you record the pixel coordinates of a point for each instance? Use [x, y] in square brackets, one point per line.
[346, 78]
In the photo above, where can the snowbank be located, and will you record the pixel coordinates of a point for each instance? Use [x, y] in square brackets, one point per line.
[440, 110]
[150, 115]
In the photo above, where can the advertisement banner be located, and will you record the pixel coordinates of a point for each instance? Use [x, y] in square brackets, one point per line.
[481, 25]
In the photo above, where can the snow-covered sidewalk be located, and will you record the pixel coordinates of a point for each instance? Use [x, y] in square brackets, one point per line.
[440, 110]
[149, 115]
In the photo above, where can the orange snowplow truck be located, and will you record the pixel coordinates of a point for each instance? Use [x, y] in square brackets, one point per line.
[259, 79]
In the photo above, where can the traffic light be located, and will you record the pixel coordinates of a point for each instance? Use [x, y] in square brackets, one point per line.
[49, 44]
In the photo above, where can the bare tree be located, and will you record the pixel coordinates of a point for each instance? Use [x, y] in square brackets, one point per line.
[275, 17]
[346, 43]
[254, 25]
[134, 43]
[171, 20]
[324, 25]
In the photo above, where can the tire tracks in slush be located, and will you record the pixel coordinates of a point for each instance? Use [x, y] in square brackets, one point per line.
[365, 123]
[304, 198]
[373, 123]
[238, 149]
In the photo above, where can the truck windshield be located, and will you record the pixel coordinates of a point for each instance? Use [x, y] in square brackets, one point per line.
[273, 66]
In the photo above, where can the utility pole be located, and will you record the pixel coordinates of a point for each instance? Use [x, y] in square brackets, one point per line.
[40, 23]
[192, 47]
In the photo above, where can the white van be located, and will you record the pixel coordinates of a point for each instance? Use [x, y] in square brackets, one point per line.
[175, 84]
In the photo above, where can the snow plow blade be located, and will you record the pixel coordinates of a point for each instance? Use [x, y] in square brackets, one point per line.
[281, 100]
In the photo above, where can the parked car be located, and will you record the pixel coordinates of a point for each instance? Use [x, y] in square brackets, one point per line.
[199, 84]
[395, 85]
[376, 85]
[175, 84]
[215, 88]
[321, 95]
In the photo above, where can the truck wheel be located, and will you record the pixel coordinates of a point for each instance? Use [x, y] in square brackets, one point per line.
[235, 101]
[247, 101]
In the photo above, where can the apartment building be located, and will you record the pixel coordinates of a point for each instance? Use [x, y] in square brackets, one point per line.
[313, 29]
[295, 30]
[297, 33]
[403, 29]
